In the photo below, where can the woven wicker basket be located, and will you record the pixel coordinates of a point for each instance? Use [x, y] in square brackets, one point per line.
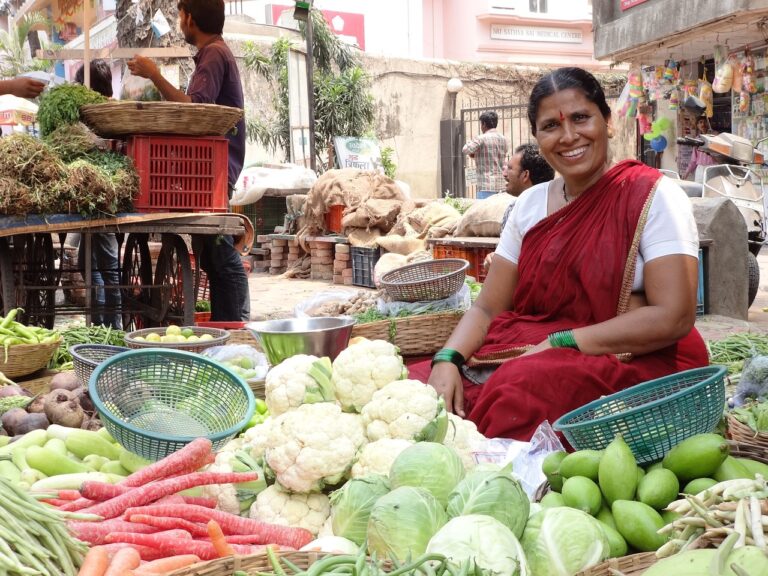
[740, 449]
[24, 359]
[632, 565]
[426, 281]
[85, 358]
[128, 117]
[744, 434]
[220, 337]
[250, 563]
[414, 335]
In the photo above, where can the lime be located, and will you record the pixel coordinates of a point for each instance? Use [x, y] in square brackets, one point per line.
[153, 337]
[246, 363]
[193, 338]
[173, 330]
[187, 332]
[140, 339]
[261, 406]
[206, 337]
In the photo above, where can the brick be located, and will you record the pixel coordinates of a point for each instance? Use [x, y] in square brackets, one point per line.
[348, 281]
[277, 263]
[347, 273]
[324, 260]
[294, 250]
[277, 251]
[338, 265]
[263, 239]
[279, 242]
[342, 248]
[344, 257]
[338, 280]
[322, 253]
[275, 271]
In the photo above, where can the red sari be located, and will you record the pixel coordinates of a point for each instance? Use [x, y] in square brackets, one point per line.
[576, 269]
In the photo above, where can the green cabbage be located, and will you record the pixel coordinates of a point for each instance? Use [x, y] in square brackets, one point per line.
[429, 465]
[483, 542]
[563, 541]
[402, 523]
[352, 506]
[494, 493]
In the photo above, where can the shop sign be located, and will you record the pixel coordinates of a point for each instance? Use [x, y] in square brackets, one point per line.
[627, 4]
[348, 26]
[536, 34]
[361, 153]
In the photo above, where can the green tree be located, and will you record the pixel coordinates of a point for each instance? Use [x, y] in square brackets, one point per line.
[15, 54]
[343, 103]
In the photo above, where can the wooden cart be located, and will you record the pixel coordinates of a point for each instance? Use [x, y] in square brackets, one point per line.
[31, 250]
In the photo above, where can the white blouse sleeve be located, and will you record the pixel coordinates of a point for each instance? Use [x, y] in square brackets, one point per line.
[529, 209]
[671, 227]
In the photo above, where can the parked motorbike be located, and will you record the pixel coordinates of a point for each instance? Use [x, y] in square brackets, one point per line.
[735, 179]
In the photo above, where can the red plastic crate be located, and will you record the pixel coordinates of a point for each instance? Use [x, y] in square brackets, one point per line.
[475, 257]
[180, 173]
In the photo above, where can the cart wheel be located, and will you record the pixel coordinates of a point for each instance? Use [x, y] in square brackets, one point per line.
[137, 274]
[174, 296]
[34, 258]
[7, 292]
[753, 271]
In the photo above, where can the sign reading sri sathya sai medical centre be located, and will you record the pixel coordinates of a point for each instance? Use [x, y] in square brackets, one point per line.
[535, 34]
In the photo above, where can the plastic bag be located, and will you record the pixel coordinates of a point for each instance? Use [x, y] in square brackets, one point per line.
[254, 181]
[233, 356]
[723, 70]
[753, 383]
[462, 300]
[138, 89]
[526, 457]
[309, 307]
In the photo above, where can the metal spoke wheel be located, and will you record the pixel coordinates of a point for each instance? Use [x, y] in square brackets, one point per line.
[33, 259]
[7, 292]
[137, 276]
[753, 272]
[174, 295]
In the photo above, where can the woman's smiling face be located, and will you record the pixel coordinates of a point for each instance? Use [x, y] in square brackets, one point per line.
[573, 137]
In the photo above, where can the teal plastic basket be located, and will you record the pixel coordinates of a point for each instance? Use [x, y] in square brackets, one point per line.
[653, 416]
[155, 401]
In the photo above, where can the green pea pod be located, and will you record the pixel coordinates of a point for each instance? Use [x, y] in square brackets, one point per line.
[8, 319]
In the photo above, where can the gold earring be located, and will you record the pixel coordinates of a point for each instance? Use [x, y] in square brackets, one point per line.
[610, 131]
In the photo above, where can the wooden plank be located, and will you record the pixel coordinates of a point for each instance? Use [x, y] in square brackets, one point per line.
[115, 53]
[468, 241]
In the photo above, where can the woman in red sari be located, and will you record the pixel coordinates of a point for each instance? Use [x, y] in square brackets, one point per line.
[594, 285]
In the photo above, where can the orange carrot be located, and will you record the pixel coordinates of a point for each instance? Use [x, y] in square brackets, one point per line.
[124, 560]
[166, 564]
[217, 539]
[95, 563]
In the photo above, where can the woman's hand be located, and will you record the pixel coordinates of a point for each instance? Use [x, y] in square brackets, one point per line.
[540, 347]
[446, 380]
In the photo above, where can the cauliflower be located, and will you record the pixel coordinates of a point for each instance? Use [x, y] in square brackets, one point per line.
[255, 438]
[313, 446]
[235, 499]
[362, 369]
[308, 511]
[406, 409]
[301, 379]
[463, 437]
[377, 457]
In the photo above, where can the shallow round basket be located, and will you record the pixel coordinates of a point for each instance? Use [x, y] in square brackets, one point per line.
[425, 281]
[219, 337]
[281, 339]
[187, 119]
[632, 565]
[250, 563]
[653, 416]
[740, 432]
[154, 402]
[25, 359]
[85, 358]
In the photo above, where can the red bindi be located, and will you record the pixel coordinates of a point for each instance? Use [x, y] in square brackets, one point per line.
[562, 117]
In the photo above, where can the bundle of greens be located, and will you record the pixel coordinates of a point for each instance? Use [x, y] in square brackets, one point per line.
[72, 141]
[61, 105]
[28, 160]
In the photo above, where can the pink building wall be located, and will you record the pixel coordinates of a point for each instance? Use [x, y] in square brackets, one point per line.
[461, 30]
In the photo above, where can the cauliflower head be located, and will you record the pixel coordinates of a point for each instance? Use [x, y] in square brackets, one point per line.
[362, 369]
[255, 438]
[406, 409]
[464, 438]
[313, 446]
[308, 511]
[377, 457]
[232, 498]
[300, 379]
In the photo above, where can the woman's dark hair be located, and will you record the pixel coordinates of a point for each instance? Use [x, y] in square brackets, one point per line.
[207, 14]
[489, 119]
[101, 77]
[564, 79]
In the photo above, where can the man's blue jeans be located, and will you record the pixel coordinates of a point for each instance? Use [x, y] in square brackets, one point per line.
[227, 280]
[105, 264]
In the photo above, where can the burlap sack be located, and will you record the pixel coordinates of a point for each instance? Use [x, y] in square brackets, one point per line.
[363, 238]
[401, 245]
[387, 262]
[484, 217]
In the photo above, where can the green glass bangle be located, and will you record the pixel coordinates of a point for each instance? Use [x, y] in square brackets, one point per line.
[448, 355]
[563, 339]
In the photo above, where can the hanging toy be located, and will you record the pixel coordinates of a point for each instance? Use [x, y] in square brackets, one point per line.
[706, 95]
[690, 87]
[723, 70]
[748, 81]
[670, 71]
[744, 100]
[674, 99]
[736, 69]
[635, 81]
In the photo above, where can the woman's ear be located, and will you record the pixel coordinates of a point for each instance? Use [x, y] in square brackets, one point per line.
[609, 123]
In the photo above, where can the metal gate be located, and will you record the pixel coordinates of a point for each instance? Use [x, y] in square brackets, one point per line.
[513, 124]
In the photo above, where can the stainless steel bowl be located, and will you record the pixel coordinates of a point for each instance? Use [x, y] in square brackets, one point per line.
[281, 339]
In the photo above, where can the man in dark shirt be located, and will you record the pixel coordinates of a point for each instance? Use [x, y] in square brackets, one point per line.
[216, 80]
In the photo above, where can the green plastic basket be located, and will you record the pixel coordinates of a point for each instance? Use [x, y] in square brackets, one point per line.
[653, 416]
[155, 401]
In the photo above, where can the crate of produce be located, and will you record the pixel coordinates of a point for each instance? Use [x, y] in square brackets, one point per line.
[180, 173]
[265, 215]
[653, 416]
[418, 335]
[475, 255]
[363, 261]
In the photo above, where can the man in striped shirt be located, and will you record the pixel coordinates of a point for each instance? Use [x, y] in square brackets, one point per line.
[489, 151]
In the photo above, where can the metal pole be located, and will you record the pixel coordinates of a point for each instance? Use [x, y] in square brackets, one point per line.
[311, 92]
